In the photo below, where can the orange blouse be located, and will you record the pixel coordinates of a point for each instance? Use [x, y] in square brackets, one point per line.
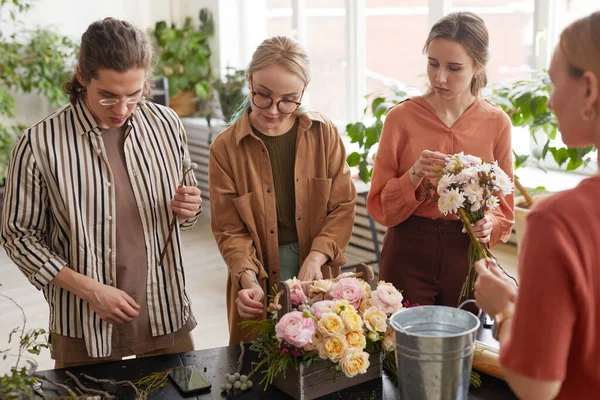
[412, 126]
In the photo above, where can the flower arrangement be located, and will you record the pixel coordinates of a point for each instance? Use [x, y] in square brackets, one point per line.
[468, 187]
[340, 321]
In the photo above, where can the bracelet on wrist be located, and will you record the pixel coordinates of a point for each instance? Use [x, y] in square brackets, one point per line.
[414, 172]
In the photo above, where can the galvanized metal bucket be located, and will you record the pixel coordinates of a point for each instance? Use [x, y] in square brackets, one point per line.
[434, 351]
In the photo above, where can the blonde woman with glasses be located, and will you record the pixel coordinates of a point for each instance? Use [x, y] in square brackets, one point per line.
[281, 196]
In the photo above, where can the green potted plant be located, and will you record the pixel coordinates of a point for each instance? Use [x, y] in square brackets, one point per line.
[526, 102]
[184, 59]
[366, 136]
[231, 91]
[31, 61]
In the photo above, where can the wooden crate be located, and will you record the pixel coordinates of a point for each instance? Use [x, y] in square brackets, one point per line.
[305, 383]
[318, 380]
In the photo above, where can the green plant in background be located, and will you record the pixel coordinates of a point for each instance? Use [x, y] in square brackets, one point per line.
[184, 54]
[31, 61]
[231, 91]
[368, 136]
[526, 102]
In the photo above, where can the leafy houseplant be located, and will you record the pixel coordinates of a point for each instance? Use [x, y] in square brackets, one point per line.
[231, 91]
[184, 58]
[31, 61]
[368, 136]
[526, 102]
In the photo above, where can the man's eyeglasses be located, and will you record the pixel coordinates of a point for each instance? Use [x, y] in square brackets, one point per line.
[112, 102]
[265, 101]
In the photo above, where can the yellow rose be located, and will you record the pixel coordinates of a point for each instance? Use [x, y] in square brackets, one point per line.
[321, 287]
[366, 286]
[356, 339]
[316, 341]
[355, 362]
[333, 347]
[331, 324]
[352, 320]
[375, 320]
[342, 305]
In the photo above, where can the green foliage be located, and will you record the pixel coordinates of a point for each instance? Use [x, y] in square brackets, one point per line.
[31, 61]
[184, 54]
[231, 91]
[526, 102]
[368, 135]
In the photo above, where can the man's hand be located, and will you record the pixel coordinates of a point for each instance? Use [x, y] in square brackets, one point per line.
[112, 305]
[186, 202]
[482, 229]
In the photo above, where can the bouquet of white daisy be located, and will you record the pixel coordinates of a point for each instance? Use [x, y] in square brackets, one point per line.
[469, 187]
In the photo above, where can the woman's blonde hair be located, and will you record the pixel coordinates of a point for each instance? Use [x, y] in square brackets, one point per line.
[278, 50]
[470, 31]
[580, 45]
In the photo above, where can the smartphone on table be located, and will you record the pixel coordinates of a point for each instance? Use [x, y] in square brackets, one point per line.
[189, 379]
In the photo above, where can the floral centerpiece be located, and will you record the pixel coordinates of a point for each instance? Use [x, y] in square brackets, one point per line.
[468, 187]
[341, 322]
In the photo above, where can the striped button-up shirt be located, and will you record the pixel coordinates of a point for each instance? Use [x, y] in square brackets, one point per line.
[59, 207]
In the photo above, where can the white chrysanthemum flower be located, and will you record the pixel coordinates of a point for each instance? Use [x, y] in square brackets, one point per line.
[471, 161]
[503, 182]
[451, 200]
[468, 174]
[473, 192]
[475, 206]
[444, 183]
[492, 202]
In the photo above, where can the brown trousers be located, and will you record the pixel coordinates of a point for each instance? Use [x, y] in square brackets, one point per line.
[182, 344]
[427, 260]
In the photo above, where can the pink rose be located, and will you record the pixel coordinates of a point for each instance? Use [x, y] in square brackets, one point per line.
[387, 298]
[321, 307]
[295, 329]
[297, 296]
[349, 289]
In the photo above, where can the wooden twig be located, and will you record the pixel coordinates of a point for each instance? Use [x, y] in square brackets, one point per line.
[241, 359]
[60, 385]
[524, 192]
[86, 389]
[113, 382]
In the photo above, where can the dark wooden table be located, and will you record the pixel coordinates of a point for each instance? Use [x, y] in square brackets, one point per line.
[215, 363]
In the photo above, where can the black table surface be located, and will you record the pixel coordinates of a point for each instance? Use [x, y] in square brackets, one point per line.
[215, 363]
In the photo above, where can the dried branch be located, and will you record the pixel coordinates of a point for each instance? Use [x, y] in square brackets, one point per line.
[20, 352]
[241, 359]
[138, 394]
[88, 390]
[60, 385]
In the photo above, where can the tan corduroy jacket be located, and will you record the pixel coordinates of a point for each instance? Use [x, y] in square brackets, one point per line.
[243, 207]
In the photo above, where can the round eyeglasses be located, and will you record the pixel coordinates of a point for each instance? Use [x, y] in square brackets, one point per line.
[111, 102]
[264, 101]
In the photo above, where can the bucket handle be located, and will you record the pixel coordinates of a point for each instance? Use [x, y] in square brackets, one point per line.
[392, 325]
[460, 306]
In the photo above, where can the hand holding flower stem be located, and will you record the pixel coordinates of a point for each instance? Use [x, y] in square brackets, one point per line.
[187, 168]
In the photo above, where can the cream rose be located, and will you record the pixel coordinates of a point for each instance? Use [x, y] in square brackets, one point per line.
[389, 341]
[333, 348]
[352, 320]
[375, 320]
[321, 307]
[355, 362]
[331, 324]
[356, 339]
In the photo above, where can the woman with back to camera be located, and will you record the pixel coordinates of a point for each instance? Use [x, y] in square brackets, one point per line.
[281, 196]
[549, 332]
[425, 253]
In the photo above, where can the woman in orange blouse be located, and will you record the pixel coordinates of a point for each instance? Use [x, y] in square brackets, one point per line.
[424, 252]
[549, 330]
